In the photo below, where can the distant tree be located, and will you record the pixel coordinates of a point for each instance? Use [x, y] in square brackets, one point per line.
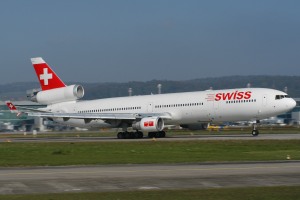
[105, 90]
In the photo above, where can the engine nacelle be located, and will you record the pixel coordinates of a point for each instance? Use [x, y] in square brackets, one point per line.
[149, 124]
[58, 95]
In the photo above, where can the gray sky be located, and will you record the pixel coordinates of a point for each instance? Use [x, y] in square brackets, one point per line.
[139, 40]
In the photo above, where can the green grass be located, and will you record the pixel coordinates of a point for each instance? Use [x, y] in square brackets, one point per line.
[252, 193]
[84, 153]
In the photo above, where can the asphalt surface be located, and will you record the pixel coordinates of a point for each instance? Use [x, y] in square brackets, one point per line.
[146, 177]
[30, 138]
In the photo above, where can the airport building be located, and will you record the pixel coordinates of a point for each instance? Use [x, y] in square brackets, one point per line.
[295, 113]
[11, 122]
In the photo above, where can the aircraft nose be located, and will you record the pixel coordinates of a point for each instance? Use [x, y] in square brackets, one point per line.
[292, 103]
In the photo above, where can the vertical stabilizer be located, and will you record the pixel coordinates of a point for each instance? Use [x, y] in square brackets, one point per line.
[47, 77]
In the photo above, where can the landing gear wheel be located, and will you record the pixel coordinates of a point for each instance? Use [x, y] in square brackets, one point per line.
[121, 135]
[140, 134]
[151, 134]
[159, 134]
[130, 135]
[162, 134]
[255, 130]
[255, 133]
[127, 135]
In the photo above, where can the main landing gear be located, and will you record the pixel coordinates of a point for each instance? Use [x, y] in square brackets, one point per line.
[139, 134]
[130, 135]
[255, 131]
[160, 134]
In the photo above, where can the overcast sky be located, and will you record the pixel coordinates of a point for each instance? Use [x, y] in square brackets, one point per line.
[139, 40]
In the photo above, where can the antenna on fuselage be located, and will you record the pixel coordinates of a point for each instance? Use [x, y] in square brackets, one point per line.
[130, 92]
[159, 86]
[285, 89]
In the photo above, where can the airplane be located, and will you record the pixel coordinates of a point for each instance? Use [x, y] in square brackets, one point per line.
[152, 113]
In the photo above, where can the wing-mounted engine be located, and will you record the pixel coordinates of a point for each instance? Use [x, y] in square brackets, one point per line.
[149, 124]
[58, 95]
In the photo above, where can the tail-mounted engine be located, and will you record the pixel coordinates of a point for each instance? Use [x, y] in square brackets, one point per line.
[149, 124]
[58, 95]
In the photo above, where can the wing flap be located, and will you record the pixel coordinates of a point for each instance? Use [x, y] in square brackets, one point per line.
[103, 116]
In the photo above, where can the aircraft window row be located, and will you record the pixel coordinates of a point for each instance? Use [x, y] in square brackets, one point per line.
[178, 105]
[281, 97]
[109, 110]
[242, 101]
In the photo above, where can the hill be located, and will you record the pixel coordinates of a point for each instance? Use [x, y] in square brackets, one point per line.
[17, 91]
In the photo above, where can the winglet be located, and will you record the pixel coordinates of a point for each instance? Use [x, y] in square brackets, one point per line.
[47, 77]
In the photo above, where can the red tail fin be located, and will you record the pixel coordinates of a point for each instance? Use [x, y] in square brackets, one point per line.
[47, 77]
[12, 108]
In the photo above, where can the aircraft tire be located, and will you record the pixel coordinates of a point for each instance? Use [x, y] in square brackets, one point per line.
[127, 135]
[121, 135]
[162, 134]
[255, 133]
[132, 135]
[159, 134]
[151, 134]
[140, 134]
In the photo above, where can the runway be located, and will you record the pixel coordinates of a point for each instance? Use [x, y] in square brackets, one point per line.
[146, 177]
[30, 138]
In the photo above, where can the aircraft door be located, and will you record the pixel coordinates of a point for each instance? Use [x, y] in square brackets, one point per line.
[150, 107]
[264, 100]
[216, 110]
[210, 110]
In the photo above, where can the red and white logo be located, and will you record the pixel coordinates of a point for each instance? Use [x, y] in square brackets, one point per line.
[148, 123]
[46, 76]
[237, 95]
[11, 106]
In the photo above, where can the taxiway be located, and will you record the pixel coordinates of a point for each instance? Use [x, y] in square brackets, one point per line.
[151, 176]
[146, 177]
[30, 138]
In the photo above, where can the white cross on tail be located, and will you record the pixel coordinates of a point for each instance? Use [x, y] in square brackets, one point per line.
[46, 76]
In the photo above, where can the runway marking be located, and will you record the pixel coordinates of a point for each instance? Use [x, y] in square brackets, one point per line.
[148, 188]
[75, 189]
[55, 171]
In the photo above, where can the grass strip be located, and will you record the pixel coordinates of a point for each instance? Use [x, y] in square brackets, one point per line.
[144, 152]
[252, 193]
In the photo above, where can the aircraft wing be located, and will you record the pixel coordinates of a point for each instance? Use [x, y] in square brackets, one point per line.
[103, 116]
[86, 116]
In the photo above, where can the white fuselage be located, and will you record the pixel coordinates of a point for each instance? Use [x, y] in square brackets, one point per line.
[185, 108]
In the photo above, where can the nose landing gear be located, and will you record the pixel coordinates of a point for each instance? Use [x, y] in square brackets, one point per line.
[255, 131]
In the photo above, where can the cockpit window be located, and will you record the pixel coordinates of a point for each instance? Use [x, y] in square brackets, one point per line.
[281, 97]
